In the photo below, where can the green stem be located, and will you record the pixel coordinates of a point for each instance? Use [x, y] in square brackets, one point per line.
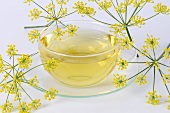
[62, 23]
[161, 56]
[142, 53]
[162, 79]
[30, 27]
[13, 66]
[34, 86]
[139, 72]
[9, 74]
[53, 8]
[164, 65]
[132, 14]
[68, 14]
[99, 21]
[30, 70]
[126, 12]
[120, 14]
[140, 8]
[59, 10]
[25, 91]
[130, 38]
[151, 16]
[8, 82]
[9, 93]
[136, 62]
[33, 54]
[108, 13]
[41, 7]
[154, 54]
[117, 11]
[154, 80]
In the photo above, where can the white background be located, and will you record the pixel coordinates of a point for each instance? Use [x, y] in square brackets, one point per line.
[14, 16]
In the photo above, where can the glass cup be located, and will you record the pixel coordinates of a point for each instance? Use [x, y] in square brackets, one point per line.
[85, 59]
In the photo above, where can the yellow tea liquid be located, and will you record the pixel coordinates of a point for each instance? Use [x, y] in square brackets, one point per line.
[85, 59]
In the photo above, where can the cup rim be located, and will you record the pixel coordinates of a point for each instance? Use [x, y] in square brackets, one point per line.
[76, 56]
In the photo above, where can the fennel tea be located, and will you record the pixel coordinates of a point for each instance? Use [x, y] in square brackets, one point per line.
[84, 59]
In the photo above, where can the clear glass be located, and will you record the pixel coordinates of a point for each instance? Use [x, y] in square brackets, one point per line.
[101, 86]
[85, 59]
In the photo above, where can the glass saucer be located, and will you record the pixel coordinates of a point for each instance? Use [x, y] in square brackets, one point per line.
[103, 88]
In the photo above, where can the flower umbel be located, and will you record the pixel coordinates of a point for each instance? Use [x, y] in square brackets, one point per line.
[28, 1]
[51, 64]
[71, 29]
[160, 8]
[58, 33]
[166, 78]
[122, 64]
[24, 61]
[167, 53]
[11, 50]
[126, 43]
[51, 94]
[14, 77]
[152, 42]
[33, 81]
[7, 107]
[141, 79]
[33, 35]
[35, 104]
[24, 108]
[35, 14]
[153, 98]
[106, 4]
[119, 80]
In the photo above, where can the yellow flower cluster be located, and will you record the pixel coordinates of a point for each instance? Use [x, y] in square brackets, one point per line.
[51, 94]
[160, 8]
[28, 1]
[33, 35]
[122, 64]
[81, 8]
[24, 61]
[106, 4]
[167, 53]
[23, 108]
[118, 29]
[168, 101]
[140, 3]
[11, 51]
[138, 21]
[18, 77]
[119, 81]
[35, 14]
[62, 2]
[50, 7]
[121, 8]
[7, 107]
[144, 50]
[51, 64]
[153, 98]
[166, 78]
[152, 42]
[33, 81]
[35, 104]
[126, 43]
[62, 13]
[141, 79]
[2, 65]
[71, 29]
[58, 33]
[18, 96]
